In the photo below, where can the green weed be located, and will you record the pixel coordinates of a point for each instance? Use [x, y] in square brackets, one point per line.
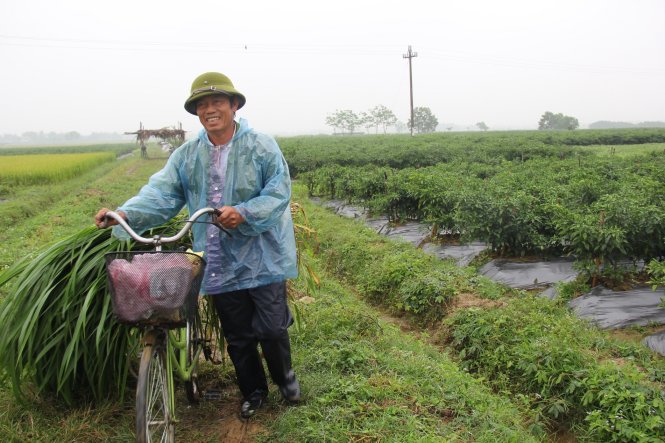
[537, 349]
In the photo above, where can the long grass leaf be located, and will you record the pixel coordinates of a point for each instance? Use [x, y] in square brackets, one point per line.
[57, 331]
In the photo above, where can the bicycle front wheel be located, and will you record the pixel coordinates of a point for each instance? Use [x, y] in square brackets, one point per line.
[153, 413]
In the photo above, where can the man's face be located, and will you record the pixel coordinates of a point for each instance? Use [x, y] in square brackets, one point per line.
[216, 113]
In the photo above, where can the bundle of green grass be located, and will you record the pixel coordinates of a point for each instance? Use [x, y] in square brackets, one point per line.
[58, 335]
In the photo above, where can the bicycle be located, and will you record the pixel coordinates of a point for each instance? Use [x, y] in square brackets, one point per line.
[158, 292]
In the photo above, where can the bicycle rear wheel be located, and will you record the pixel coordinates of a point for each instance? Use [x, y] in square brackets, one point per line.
[153, 413]
[194, 342]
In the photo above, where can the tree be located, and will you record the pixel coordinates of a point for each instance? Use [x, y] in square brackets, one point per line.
[72, 135]
[482, 126]
[424, 120]
[344, 119]
[334, 121]
[366, 121]
[382, 116]
[558, 121]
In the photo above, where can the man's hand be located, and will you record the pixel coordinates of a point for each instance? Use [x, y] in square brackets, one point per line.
[102, 222]
[229, 217]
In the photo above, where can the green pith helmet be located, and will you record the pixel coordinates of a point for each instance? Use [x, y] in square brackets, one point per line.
[211, 83]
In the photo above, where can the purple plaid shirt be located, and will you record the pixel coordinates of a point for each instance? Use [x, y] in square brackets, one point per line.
[218, 159]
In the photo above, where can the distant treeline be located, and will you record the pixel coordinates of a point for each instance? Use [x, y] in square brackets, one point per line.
[41, 137]
[604, 124]
[117, 148]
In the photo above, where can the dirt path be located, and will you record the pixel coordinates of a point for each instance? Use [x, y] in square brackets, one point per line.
[217, 419]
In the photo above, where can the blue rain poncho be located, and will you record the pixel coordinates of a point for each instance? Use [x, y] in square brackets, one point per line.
[261, 250]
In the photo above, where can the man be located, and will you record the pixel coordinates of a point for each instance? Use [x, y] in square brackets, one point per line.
[144, 150]
[242, 173]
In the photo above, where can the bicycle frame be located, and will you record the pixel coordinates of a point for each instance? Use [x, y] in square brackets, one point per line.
[180, 361]
[182, 355]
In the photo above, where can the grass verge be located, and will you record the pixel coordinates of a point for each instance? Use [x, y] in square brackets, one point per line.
[365, 380]
[39, 215]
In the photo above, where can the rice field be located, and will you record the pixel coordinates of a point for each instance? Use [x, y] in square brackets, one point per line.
[627, 150]
[32, 169]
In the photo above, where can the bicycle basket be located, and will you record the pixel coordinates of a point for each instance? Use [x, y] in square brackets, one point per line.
[150, 288]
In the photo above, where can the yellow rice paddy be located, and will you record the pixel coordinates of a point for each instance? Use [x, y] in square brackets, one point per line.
[48, 168]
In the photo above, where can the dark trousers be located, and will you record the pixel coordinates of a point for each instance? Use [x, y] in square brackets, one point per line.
[256, 316]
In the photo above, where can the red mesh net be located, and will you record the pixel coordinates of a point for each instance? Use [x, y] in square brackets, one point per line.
[154, 287]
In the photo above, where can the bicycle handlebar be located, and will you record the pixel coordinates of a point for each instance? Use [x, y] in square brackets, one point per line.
[157, 240]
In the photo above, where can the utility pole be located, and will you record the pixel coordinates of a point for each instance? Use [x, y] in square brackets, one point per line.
[410, 55]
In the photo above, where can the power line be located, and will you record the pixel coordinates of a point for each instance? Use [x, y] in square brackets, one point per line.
[195, 46]
[451, 57]
[541, 64]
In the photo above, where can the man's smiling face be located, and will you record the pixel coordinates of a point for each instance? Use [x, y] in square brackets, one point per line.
[216, 114]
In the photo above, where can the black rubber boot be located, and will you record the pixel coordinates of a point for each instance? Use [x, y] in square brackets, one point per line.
[252, 404]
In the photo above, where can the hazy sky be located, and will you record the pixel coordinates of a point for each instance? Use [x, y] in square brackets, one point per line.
[89, 66]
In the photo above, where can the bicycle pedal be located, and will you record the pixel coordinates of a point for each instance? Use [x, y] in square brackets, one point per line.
[212, 394]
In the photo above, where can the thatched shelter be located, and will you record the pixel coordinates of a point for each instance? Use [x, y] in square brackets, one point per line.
[171, 135]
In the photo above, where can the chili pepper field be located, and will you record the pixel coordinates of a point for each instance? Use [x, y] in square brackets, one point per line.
[394, 344]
